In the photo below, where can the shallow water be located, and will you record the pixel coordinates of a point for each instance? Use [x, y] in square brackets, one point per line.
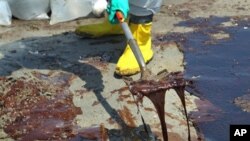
[224, 73]
[221, 69]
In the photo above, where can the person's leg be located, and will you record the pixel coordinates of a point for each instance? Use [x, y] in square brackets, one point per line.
[141, 16]
[140, 27]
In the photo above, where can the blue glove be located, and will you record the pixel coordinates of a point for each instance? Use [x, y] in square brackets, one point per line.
[117, 5]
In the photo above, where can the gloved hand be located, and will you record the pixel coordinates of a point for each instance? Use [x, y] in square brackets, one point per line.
[117, 5]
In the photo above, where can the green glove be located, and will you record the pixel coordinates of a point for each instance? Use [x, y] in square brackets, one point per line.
[117, 5]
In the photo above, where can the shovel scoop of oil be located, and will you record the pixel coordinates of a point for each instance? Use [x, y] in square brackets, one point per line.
[155, 88]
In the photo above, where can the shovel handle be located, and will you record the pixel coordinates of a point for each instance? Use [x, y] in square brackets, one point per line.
[119, 16]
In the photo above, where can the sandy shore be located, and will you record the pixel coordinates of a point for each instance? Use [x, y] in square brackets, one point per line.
[85, 67]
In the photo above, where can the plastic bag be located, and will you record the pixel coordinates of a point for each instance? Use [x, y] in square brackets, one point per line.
[99, 7]
[66, 10]
[5, 14]
[29, 9]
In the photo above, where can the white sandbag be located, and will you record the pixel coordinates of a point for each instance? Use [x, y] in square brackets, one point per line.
[5, 13]
[30, 9]
[66, 10]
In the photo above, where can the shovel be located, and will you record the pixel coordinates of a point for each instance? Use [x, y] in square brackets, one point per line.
[149, 83]
[145, 73]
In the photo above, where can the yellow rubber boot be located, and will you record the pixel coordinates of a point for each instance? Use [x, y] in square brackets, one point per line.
[127, 64]
[99, 30]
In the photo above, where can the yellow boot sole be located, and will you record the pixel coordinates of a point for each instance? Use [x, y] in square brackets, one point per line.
[98, 30]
